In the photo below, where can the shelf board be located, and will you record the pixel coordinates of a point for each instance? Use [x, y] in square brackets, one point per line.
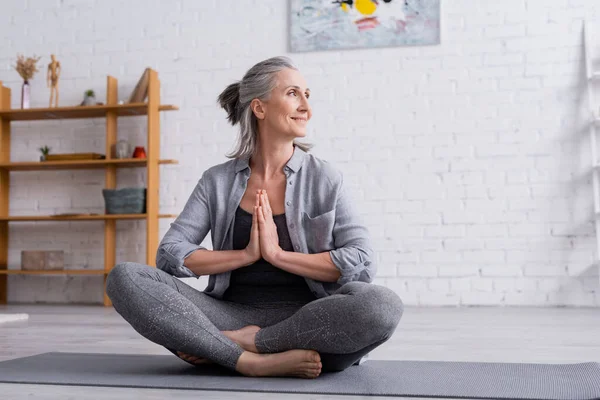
[122, 110]
[93, 217]
[79, 164]
[53, 272]
[595, 76]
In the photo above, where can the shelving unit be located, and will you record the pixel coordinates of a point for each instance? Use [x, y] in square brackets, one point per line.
[111, 111]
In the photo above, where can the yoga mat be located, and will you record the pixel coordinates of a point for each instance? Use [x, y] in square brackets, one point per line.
[375, 377]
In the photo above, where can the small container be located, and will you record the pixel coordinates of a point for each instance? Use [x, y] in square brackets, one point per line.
[25, 94]
[125, 201]
[34, 260]
[139, 152]
[122, 149]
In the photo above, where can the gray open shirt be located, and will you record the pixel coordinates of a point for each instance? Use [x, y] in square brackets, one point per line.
[318, 210]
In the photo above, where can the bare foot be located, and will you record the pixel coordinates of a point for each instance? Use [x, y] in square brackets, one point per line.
[298, 363]
[193, 359]
[244, 337]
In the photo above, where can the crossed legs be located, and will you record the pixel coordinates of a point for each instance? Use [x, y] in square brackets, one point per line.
[341, 328]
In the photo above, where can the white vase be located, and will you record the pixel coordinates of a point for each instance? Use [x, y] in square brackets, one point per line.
[25, 94]
[122, 149]
[89, 101]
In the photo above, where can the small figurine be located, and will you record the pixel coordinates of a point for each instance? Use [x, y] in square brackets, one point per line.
[52, 79]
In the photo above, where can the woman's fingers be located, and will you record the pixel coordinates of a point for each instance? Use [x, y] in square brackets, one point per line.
[260, 214]
[265, 202]
[255, 213]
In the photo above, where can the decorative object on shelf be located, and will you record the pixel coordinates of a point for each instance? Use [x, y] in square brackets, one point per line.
[73, 214]
[45, 150]
[42, 260]
[140, 92]
[343, 24]
[89, 98]
[139, 152]
[125, 201]
[122, 149]
[75, 156]
[52, 79]
[26, 67]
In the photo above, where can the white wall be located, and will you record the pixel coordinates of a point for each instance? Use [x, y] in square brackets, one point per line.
[469, 160]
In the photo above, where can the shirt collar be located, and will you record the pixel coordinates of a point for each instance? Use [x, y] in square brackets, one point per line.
[294, 163]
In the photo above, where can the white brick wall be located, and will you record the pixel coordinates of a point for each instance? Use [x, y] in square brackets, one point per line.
[476, 188]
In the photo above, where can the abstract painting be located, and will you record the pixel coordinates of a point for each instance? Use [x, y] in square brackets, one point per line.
[350, 24]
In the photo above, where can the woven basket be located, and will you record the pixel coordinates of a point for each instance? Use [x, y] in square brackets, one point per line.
[125, 201]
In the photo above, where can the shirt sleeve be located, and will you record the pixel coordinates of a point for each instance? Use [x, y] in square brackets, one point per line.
[186, 233]
[353, 254]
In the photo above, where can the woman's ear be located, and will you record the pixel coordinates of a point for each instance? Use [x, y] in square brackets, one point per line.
[257, 108]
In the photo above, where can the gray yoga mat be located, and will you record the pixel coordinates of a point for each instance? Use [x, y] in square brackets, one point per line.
[374, 377]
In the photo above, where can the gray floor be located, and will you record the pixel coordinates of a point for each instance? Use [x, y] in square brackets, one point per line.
[536, 335]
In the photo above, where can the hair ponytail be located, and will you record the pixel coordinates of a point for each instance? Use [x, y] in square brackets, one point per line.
[229, 99]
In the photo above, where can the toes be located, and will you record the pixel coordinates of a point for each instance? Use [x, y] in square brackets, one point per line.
[315, 357]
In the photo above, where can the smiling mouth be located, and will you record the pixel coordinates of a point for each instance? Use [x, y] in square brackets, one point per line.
[299, 119]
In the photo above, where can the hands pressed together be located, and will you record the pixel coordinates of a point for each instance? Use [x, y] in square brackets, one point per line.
[264, 241]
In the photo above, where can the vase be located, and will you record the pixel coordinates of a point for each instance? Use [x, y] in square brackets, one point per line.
[122, 149]
[89, 101]
[25, 93]
[139, 152]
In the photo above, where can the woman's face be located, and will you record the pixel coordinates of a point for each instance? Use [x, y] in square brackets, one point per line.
[287, 110]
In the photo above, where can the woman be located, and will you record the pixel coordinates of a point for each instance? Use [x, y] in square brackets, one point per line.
[279, 302]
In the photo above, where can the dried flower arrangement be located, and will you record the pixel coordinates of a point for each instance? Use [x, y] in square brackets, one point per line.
[26, 67]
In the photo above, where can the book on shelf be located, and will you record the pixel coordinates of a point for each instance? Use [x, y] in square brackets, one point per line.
[75, 156]
[140, 92]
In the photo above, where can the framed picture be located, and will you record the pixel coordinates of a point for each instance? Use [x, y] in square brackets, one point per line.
[352, 24]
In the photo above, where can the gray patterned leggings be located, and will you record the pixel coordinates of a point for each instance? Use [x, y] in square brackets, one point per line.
[342, 327]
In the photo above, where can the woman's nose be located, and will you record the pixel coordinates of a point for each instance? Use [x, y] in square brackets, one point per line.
[304, 106]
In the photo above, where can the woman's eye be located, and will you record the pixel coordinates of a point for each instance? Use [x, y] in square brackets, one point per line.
[307, 95]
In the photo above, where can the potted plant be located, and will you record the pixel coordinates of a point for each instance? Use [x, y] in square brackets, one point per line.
[45, 150]
[89, 98]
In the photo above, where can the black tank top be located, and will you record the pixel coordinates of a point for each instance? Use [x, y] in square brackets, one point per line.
[261, 283]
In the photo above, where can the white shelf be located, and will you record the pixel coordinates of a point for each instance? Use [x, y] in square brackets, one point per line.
[595, 76]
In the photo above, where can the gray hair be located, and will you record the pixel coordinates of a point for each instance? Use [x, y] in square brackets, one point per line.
[258, 82]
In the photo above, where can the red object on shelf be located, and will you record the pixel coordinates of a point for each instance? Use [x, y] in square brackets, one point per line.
[139, 152]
